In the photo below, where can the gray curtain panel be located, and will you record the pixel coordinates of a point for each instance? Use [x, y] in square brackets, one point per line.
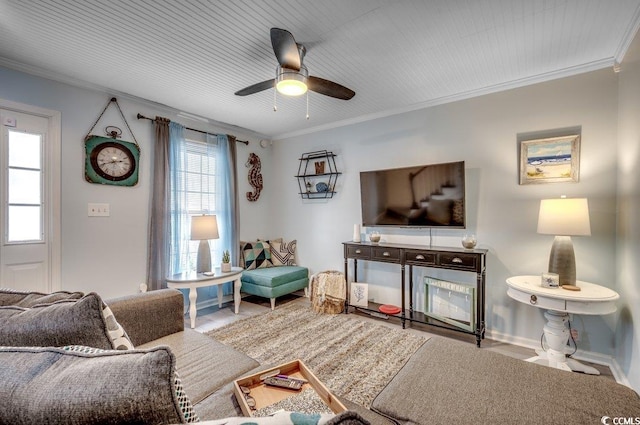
[234, 200]
[158, 260]
[160, 222]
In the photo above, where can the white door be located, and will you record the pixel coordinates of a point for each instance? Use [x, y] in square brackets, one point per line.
[29, 191]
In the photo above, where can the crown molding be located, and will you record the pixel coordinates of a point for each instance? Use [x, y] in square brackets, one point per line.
[540, 78]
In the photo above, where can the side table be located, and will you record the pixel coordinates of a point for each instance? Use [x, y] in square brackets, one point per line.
[192, 281]
[592, 299]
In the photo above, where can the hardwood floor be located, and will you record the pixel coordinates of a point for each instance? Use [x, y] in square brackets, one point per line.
[214, 317]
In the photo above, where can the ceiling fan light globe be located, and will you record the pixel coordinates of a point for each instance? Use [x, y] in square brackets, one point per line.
[291, 82]
[291, 87]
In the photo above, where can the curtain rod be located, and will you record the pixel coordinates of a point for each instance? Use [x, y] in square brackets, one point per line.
[142, 117]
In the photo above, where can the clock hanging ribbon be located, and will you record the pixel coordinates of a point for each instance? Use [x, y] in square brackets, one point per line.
[109, 160]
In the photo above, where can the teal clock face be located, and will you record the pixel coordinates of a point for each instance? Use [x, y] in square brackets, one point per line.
[110, 161]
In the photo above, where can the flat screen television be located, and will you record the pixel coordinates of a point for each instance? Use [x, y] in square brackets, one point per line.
[421, 196]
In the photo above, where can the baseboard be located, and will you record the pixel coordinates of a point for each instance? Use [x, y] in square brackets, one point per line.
[514, 340]
[619, 374]
[587, 356]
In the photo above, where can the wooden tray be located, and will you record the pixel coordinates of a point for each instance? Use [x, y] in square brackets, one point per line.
[266, 395]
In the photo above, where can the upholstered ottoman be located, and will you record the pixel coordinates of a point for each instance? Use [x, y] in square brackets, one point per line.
[452, 382]
[273, 282]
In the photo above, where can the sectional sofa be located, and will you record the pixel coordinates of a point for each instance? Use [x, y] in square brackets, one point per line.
[444, 382]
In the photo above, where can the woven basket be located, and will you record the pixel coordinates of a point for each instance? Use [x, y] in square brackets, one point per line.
[328, 292]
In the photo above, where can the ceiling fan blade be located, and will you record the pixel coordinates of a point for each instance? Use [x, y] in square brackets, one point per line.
[285, 48]
[329, 88]
[256, 88]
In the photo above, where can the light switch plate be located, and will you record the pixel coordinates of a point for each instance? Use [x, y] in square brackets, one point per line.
[98, 210]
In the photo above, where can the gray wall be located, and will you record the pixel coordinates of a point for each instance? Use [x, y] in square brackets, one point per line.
[108, 254]
[628, 254]
[503, 214]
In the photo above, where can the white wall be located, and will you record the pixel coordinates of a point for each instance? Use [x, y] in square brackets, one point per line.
[503, 214]
[108, 254]
[628, 328]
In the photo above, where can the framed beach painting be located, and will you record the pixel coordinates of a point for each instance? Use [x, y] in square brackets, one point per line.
[551, 160]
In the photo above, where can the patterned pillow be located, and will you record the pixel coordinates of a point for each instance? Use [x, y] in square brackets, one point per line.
[83, 385]
[283, 253]
[87, 321]
[257, 255]
[118, 336]
[241, 262]
[29, 299]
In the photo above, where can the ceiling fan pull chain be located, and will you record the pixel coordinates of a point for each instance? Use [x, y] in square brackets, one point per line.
[307, 104]
[275, 97]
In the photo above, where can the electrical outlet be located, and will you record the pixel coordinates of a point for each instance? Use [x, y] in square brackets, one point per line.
[575, 334]
[98, 210]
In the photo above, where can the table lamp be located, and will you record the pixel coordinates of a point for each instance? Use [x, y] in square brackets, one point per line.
[203, 228]
[564, 217]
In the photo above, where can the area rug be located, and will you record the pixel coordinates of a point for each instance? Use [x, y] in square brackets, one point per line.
[355, 359]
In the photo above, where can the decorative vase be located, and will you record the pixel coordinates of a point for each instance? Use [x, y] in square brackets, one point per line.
[469, 241]
[374, 237]
[225, 267]
[356, 233]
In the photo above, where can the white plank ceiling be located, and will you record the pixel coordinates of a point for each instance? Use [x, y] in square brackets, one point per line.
[397, 55]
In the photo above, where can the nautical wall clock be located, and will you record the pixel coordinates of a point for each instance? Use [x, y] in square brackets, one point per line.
[109, 160]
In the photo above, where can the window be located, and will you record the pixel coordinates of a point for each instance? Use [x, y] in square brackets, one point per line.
[24, 188]
[195, 191]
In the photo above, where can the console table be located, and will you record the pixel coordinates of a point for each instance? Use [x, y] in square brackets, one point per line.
[192, 281]
[466, 260]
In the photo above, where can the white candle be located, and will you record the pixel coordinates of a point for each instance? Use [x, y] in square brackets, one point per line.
[356, 233]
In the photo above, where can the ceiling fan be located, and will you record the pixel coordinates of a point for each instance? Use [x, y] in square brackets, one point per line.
[292, 77]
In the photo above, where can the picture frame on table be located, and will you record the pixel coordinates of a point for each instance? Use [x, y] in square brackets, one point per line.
[359, 294]
[550, 160]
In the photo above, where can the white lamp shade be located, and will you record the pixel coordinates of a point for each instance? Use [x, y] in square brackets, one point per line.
[564, 217]
[204, 227]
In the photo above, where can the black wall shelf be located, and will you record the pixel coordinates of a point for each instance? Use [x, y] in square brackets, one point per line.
[316, 171]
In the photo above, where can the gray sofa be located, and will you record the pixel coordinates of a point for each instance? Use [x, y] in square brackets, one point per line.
[444, 382]
[66, 358]
[207, 367]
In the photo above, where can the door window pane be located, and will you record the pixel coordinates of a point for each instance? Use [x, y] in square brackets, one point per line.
[24, 150]
[24, 187]
[24, 224]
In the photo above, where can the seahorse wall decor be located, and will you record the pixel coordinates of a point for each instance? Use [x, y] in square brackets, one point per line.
[255, 178]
